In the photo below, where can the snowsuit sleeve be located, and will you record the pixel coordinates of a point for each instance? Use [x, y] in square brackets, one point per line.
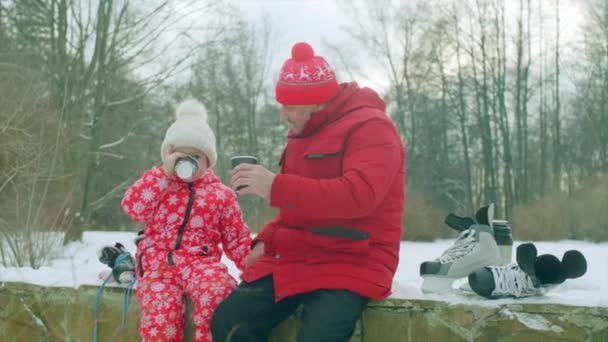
[142, 199]
[236, 236]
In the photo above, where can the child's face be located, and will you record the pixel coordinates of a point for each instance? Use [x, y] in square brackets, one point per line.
[200, 156]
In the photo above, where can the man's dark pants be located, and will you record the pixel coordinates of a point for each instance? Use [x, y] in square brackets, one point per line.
[249, 313]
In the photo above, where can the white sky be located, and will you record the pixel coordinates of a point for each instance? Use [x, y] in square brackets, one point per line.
[318, 21]
[313, 21]
[324, 21]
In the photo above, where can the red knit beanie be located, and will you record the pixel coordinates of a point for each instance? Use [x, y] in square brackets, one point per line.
[306, 79]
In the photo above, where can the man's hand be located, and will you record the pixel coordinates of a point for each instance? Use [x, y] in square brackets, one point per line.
[255, 253]
[257, 179]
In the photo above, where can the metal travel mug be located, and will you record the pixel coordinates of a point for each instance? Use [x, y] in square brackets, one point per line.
[186, 168]
[242, 159]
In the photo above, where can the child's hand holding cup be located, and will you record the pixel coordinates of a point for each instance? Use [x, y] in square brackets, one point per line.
[236, 160]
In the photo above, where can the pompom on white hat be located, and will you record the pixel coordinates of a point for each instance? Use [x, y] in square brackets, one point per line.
[190, 129]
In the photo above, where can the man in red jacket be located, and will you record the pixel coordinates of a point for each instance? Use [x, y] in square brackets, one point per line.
[335, 242]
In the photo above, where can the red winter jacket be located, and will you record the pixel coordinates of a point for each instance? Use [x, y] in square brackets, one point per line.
[341, 195]
[212, 213]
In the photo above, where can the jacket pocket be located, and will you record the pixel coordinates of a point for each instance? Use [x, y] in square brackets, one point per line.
[319, 155]
[337, 244]
[323, 163]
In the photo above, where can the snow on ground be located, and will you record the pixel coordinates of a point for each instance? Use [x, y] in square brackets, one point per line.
[588, 290]
[78, 265]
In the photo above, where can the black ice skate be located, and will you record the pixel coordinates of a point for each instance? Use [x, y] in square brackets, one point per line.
[532, 275]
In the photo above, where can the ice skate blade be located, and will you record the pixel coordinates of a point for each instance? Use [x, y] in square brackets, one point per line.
[465, 287]
[437, 284]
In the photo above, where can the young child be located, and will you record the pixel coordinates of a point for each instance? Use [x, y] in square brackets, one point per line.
[186, 221]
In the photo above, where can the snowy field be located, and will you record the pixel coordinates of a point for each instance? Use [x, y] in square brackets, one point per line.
[78, 265]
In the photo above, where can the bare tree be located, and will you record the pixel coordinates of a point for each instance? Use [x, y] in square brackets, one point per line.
[392, 33]
[482, 99]
[557, 149]
[462, 110]
[499, 72]
[521, 103]
[592, 93]
[86, 50]
[542, 110]
[231, 77]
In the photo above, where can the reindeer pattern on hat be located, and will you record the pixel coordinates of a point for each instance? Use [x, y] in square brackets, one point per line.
[306, 78]
[319, 73]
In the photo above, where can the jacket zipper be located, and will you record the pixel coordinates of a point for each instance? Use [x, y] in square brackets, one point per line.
[180, 232]
[140, 263]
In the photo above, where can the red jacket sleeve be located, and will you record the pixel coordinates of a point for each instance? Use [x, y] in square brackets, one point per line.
[372, 158]
[236, 236]
[266, 235]
[141, 200]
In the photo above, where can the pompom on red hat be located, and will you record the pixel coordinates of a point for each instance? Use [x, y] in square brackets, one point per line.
[306, 79]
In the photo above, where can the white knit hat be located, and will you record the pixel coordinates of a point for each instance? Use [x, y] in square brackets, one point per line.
[190, 129]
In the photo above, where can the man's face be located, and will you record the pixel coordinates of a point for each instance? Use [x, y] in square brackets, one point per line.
[298, 116]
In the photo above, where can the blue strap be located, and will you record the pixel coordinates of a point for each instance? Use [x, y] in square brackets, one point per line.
[125, 302]
[120, 259]
[96, 308]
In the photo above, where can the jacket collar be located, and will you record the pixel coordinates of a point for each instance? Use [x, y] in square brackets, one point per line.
[328, 114]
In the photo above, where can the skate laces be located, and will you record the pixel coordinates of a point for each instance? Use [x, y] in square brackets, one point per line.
[512, 280]
[463, 245]
[122, 264]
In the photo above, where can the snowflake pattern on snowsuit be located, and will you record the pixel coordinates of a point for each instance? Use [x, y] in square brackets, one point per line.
[167, 275]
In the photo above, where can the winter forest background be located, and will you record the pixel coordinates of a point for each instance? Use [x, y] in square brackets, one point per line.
[491, 103]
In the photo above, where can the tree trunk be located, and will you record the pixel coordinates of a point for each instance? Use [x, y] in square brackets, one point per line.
[557, 153]
[104, 15]
[520, 164]
[502, 112]
[462, 115]
[525, 190]
[484, 121]
[543, 119]
[603, 126]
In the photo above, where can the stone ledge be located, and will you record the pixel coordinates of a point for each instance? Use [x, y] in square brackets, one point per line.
[30, 312]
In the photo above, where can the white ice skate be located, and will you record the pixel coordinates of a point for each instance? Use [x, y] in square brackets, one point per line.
[501, 228]
[474, 248]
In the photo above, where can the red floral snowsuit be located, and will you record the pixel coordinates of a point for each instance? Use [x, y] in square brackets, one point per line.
[174, 260]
